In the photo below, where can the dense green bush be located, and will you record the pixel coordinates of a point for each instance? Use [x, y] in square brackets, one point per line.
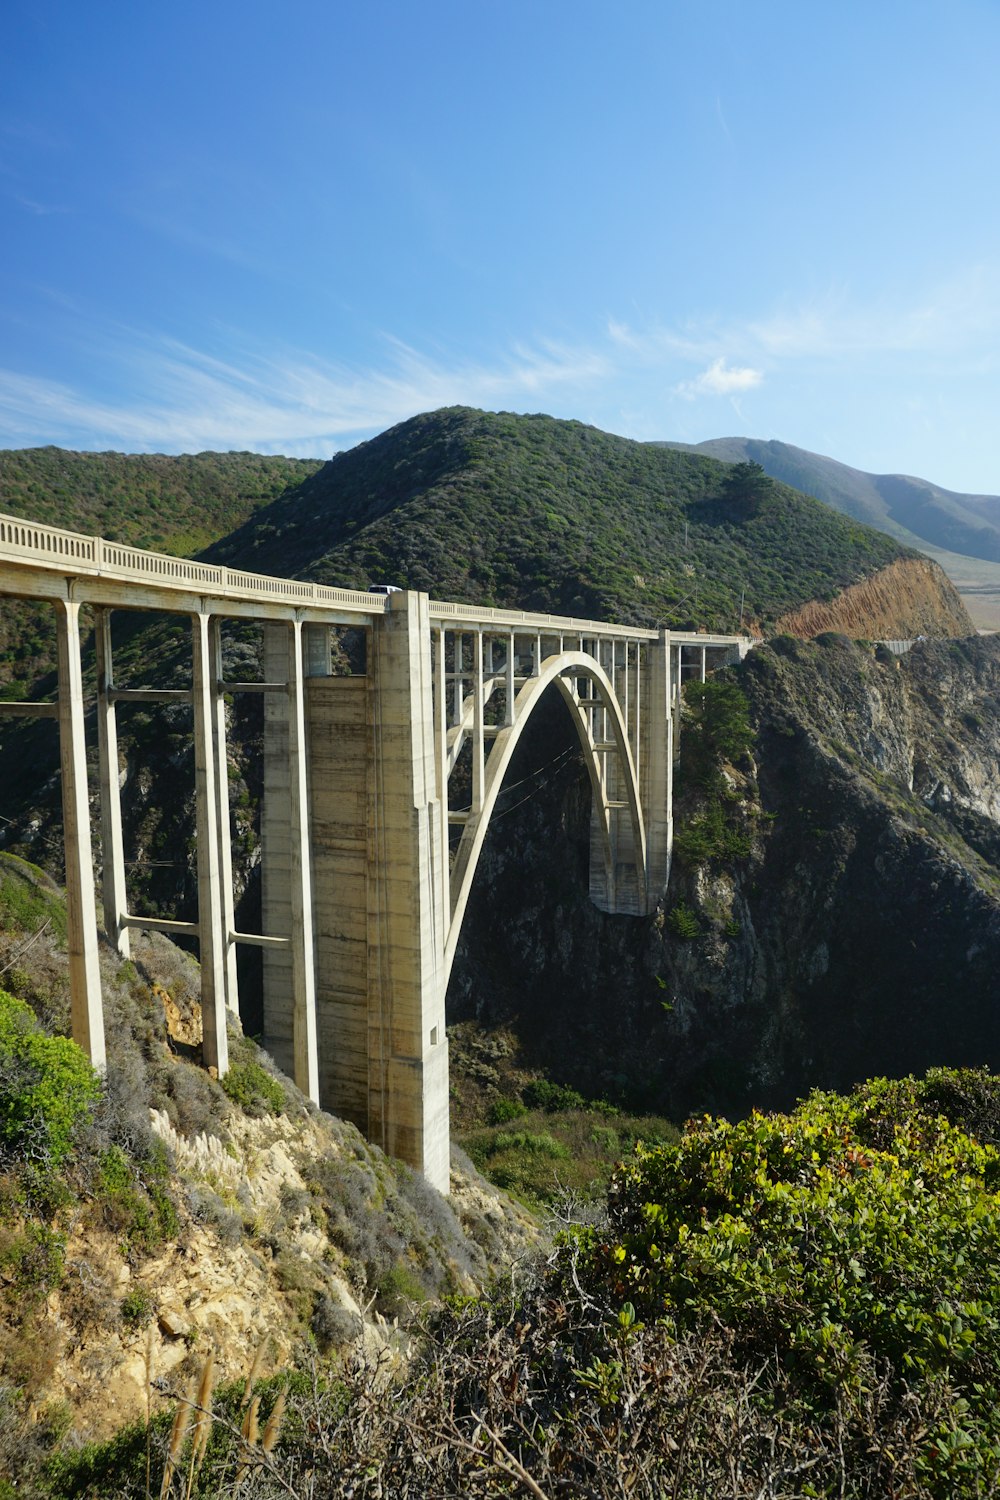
[683, 922]
[47, 1087]
[853, 1237]
[133, 1199]
[250, 1085]
[28, 899]
[710, 835]
[556, 1149]
[542, 1093]
[717, 728]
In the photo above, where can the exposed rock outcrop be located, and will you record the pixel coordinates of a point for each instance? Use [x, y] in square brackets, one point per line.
[215, 1288]
[859, 935]
[910, 597]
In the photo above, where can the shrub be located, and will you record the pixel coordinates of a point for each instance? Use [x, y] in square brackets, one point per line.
[502, 1111]
[47, 1087]
[28, 900]
[716, 728]
[138, 1307]
[333, 1325]
[31, 1259]
[531, 1143]
[251, 1087]
[133, 1199]
[814, 1245]
[709, 836]
[683, 922]
[544, 1094]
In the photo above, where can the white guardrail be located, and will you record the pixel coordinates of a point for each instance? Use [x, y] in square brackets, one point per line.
[91, 556]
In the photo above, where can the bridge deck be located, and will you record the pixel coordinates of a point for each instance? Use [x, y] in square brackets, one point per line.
[36, 560]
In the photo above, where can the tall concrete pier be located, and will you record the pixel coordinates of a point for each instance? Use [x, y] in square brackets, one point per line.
[379, 787]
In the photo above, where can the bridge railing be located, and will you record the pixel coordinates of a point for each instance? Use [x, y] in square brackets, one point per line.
[521, 620]
[92, 556]
[33, 539]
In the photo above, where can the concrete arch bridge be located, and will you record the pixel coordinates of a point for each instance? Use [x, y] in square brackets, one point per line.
[369, 780]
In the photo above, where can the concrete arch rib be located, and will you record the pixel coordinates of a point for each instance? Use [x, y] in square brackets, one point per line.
[555, 669]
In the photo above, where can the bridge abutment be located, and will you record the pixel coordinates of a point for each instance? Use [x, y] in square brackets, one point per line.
[377, 877]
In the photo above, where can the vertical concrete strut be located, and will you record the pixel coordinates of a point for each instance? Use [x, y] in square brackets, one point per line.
[113, 889]
[306, 1055]
[478, 724]
[87, 1013]
[660, 705]
[408, 1084]
[211, 939]
[221, 761]
[440, 752]
[275, 848]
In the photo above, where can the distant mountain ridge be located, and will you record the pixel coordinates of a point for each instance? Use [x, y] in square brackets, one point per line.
[914, 511]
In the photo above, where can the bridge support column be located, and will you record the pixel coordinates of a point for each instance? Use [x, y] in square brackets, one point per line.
[211, 940]
[300, 881]
[657, 763]
[408, 1046]
[81, 919]
[221, 761]
[112, 847]
[290, 1019]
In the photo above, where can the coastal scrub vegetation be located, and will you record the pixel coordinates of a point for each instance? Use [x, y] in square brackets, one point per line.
[532, 512]
[716, 732]
[794, 1305]
[171, 503]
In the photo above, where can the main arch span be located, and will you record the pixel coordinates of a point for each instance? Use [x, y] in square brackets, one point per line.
[379, 787]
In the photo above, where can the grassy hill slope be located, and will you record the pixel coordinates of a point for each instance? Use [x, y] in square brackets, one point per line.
[533, 512]
[175, 504]
[914, 511]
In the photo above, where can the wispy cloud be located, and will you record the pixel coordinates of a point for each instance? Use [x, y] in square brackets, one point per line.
[959, 315]
[961, 312]
[41, 209]
[293, 402]
[158, 393]
[721, 379]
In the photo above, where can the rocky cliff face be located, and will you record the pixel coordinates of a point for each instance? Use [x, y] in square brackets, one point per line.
[275, 1229]
[910, 597]
[859, 935]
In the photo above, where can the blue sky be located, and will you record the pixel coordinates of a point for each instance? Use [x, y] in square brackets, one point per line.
[286, 227]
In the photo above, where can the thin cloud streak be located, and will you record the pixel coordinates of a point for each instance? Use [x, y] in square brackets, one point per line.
[959, 316]
[291, 403]
[294, 401]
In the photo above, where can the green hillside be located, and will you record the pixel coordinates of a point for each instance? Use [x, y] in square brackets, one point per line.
[914, 511]
[175, 504]
[532, 512]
